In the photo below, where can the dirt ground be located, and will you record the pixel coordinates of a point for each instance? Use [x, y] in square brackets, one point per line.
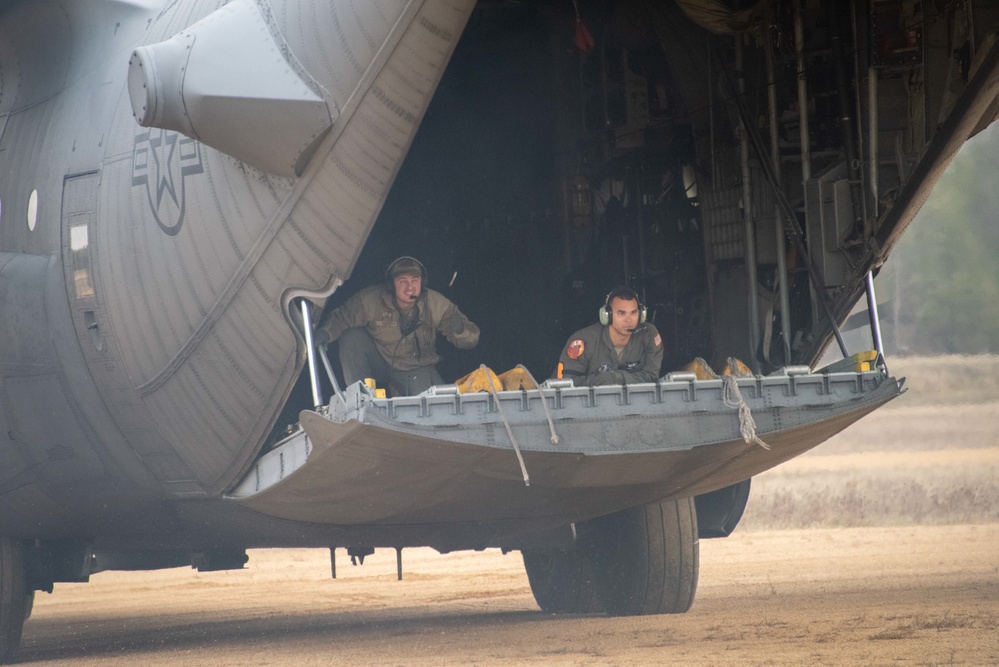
[923, 595]
[881, 547]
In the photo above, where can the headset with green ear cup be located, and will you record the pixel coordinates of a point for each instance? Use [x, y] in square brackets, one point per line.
[626, 293]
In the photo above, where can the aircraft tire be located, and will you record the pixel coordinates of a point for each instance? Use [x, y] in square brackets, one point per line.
[562, 580]
[29, 604]
[13, 598]
[646, 558]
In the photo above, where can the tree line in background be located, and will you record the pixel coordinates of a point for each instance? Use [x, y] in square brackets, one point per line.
[943, 277]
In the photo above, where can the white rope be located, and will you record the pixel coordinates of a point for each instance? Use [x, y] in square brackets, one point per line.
[544, 404]
[733, 399]
[506, 423]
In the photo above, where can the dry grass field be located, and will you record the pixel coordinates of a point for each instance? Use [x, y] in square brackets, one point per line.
[929, 457]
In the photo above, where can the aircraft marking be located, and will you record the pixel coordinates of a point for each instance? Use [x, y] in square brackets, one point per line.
[161, 160]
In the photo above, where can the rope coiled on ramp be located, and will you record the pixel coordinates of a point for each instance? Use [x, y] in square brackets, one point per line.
[733, 399]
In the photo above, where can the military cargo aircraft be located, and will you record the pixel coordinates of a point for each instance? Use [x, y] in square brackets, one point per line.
[178, 177]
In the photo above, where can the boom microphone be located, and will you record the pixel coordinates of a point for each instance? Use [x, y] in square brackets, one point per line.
[637, 329]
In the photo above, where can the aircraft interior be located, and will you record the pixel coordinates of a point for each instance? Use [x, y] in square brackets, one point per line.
[574, 147]
[533, 179]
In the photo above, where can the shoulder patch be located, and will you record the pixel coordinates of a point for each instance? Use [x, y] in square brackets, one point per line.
[658, 340]
[575, 348]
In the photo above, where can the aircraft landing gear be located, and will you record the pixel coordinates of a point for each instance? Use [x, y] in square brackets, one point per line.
[639, 561]
[13, 597]
[562, 580]
[646, 558]
[29, 604]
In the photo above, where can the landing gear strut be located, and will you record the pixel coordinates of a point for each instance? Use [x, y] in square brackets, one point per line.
[14, 598]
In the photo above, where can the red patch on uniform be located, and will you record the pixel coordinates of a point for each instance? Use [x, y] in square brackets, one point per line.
[575, 349]
[658, 340]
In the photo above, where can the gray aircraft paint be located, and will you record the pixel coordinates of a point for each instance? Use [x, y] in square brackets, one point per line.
[147, 365]
[194, 255]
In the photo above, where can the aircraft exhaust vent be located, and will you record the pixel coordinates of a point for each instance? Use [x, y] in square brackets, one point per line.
[225, 82]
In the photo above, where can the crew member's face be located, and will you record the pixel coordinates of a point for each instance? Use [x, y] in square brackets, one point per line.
[625, 315]
[407, 289]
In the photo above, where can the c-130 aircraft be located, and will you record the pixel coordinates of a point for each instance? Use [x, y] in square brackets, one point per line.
[178, 175]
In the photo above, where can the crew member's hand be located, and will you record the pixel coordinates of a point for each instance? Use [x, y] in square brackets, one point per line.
[607, 377]
[321, 337]
[457, 323]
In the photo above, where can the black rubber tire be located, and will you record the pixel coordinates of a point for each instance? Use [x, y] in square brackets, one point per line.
[646, 558]
[29, 604]
[12, 596]
[562, 580]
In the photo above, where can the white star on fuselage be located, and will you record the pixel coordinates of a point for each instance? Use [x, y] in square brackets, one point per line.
[164, 172]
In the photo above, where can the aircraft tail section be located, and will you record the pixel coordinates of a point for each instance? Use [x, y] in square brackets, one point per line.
[207, 249]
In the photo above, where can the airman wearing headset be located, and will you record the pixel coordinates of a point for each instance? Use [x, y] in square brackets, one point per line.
[388, 332]
[622, 349]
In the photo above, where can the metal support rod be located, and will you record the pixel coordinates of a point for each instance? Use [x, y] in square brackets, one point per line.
[749, 228]
[853, 162]
[711, 119]
[398, 563]
[624, 251]
[872, 312]
[603, 82]
[317, 396]
[582, 95]
[783, 289]
[329, 371]
[799, 47]
[782, 278]
[640, 223]
[872, 131]
[333, 561]
[969, 16]
[772, 109]
[858, 110]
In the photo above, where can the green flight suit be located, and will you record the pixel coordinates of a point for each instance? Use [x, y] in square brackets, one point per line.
[378, 346]
[589, 358]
